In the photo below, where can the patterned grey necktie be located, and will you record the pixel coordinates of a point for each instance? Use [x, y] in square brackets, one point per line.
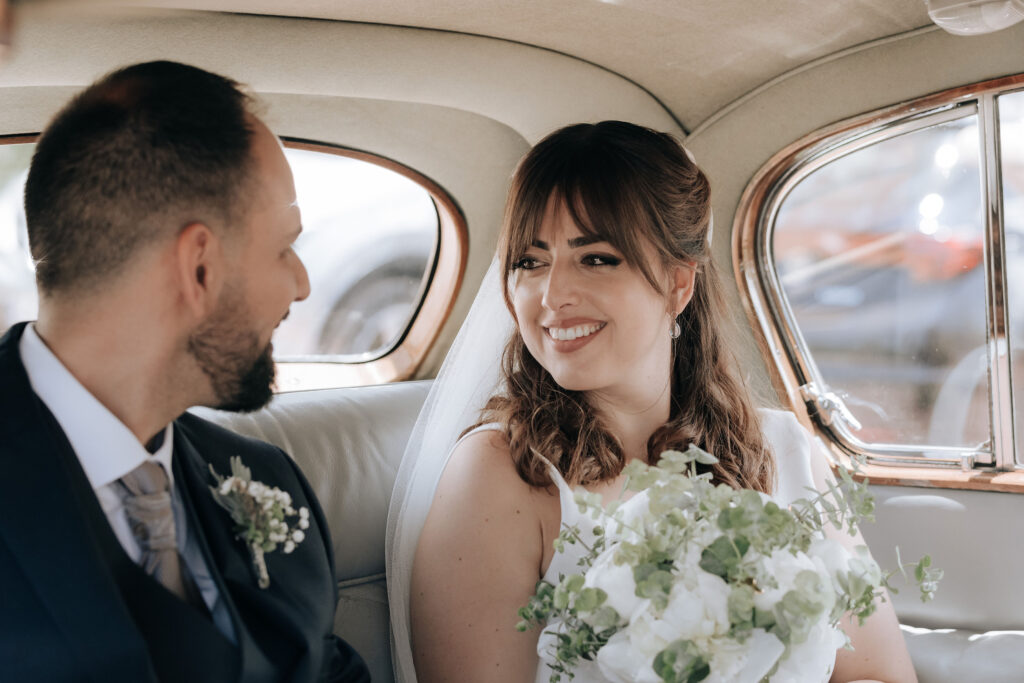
[148, 505]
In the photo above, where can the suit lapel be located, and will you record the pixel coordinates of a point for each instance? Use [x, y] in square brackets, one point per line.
[226, 558]
[43, 494]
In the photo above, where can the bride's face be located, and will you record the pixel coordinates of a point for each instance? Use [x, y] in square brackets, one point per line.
[591, 319]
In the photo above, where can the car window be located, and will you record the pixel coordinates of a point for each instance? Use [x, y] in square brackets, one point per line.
[879, 254]
[369, 237]
[883, 261]
[370, 241]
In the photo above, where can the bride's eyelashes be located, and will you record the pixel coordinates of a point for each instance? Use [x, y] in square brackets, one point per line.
[601, 260]
[526, 263]
[595, 260]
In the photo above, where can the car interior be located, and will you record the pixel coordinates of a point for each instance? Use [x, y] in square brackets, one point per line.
[867, 173]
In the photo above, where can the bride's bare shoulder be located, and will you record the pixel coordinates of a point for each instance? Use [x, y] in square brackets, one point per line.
[483, 510]
[482, 461]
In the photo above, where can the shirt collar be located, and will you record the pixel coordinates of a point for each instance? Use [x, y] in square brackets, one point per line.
[106, 448]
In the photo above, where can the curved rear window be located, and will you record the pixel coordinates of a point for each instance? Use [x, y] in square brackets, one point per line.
[372, 235]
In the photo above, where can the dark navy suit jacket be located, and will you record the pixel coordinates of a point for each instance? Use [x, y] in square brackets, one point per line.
[74, 607]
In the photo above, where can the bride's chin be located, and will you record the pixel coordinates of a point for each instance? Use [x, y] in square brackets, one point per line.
[572, 382]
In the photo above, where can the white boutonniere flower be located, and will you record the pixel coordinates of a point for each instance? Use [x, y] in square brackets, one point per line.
[260, 513]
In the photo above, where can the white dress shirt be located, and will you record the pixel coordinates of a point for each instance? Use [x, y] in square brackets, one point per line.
[107, 450]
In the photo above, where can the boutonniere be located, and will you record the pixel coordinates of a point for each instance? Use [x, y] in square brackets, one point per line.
[260, 513]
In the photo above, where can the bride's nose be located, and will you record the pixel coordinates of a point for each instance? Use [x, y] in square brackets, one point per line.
[561, 288]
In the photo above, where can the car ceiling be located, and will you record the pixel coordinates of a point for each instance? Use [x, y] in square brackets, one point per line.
[695, 57]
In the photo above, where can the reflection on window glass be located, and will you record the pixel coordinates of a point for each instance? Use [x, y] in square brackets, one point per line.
[369, 236]
[1011, 131]
[368, 242]
[880, 256]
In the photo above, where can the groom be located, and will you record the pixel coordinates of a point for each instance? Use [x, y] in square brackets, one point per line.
[161, 216]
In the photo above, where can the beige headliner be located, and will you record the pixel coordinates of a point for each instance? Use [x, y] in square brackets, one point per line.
[695, 57]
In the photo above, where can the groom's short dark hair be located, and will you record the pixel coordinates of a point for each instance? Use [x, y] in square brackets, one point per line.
[135, 157]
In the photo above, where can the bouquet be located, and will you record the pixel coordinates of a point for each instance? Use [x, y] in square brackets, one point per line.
[688, 581]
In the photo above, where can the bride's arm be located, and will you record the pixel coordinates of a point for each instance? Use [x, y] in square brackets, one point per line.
[880, 653]
[476, 564]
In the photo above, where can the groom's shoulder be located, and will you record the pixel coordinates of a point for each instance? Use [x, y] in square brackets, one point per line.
[200, 428]
[217, 445]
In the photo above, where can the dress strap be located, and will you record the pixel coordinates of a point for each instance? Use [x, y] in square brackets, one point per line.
[566, 498]
[485, 427]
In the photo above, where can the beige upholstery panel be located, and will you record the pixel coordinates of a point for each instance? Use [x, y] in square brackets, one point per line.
[531, 90]
[972, 536]
[696, 56]
[364, 622]
[948, 656]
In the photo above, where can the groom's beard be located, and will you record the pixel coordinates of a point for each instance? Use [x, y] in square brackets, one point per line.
[241, 373]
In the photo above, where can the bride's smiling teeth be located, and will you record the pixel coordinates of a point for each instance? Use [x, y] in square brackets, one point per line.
[570, 333]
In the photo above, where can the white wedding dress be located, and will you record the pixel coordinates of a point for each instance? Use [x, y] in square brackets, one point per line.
[469, 376]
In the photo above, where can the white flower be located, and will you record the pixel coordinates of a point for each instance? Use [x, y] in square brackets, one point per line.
[699, 613]
[747, 662]
[628, 655]
[833, 556]
[259, 513]
[617, 581]
[782, 566]
[303, 513]
[813, 659]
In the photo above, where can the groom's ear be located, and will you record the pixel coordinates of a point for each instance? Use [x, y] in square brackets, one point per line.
[200, 268]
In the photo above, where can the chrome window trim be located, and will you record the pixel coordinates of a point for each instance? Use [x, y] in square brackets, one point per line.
[998, 341]
[794, 373]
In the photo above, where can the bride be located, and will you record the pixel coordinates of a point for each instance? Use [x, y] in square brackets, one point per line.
[614, 350]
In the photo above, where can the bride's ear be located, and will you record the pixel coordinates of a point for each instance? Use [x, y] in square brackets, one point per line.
[681, 279]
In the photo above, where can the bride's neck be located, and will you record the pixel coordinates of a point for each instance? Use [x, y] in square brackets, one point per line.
[632, 420]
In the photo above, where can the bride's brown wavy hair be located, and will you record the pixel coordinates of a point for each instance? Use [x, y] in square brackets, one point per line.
[630, 186]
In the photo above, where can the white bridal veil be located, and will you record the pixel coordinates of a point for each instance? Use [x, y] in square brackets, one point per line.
[468, 377]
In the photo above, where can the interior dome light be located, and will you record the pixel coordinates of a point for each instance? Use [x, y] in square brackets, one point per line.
[974, 17]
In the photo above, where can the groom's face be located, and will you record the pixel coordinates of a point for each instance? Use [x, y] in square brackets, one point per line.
[233, 346]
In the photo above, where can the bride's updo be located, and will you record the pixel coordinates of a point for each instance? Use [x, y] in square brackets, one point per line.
[630, 186]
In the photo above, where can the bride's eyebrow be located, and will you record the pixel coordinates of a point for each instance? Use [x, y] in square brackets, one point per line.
[584, 240]
[574, 243]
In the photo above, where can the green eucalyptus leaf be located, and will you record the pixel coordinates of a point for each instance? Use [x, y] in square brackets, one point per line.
[681, 662]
